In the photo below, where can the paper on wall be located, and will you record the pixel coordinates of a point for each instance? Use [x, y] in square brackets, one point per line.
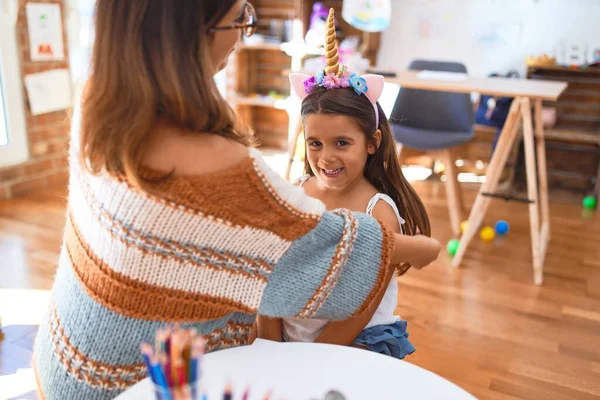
[44, 25]
[49, 91]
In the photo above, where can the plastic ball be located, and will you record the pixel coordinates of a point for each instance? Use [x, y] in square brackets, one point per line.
[463, 226]
[502, 227]
[589, 202]
[487, 233]
[452, 246]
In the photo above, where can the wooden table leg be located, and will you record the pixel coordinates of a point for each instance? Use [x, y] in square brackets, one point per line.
[542, 176]
[452, 191]
[532, 192]
[597, 184]
[494, 171]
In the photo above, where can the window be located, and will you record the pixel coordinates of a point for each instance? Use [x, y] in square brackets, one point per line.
[13, 135]
[80, 35]
[3, 127]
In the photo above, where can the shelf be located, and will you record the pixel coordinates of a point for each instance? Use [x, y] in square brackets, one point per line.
[287, 47]
[260, 46]
[573, 135]
[258, 101]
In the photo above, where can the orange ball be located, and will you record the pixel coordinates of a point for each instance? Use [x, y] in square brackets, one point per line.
[487, 233]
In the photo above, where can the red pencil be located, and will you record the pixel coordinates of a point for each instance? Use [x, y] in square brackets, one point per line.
[162, 352]
[246, 394]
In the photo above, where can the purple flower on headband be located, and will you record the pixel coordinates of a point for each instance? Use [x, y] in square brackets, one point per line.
[309, 84]
[358, 83]
[345, 80]
[331, 81]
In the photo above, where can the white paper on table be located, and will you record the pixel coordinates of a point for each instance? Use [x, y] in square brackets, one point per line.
[49, 91]
[44, 23]
[442, 76]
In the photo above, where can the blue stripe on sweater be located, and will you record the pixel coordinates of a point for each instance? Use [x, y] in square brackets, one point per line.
[301, 270]
[360, 272]
[55, 381]
[105, 335]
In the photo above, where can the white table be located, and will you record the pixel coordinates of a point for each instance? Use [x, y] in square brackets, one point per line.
[305, 371]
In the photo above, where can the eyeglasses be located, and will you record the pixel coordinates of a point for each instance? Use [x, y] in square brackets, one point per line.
[248, 26]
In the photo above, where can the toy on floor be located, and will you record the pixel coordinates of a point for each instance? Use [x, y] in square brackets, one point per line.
[487, 233]
[502, 227]
[452, 246]
[589, 202]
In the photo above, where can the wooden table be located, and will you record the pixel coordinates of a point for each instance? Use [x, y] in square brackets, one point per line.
[525, 93]
[303, 371]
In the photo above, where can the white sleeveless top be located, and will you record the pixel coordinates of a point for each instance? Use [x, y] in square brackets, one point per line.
[307, 330]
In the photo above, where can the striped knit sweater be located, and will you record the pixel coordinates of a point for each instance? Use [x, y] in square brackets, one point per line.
[209, 251]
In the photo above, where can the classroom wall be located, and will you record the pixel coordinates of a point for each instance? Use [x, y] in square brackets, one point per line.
[47, 134]
[487, 35]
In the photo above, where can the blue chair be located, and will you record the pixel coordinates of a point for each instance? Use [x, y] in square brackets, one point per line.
[435, 122]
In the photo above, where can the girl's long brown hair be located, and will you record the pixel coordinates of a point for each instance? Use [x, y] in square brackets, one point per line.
[382, 169]
[151, 62]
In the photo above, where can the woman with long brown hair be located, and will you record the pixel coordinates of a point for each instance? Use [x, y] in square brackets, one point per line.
[172, 218]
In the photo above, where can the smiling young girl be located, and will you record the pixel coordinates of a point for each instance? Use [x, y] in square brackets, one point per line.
[351, 163]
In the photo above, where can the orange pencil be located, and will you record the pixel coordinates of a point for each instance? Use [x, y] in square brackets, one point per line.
[174, 357]
[186, 354]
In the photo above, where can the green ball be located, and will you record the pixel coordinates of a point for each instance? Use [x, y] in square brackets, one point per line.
[589, 202]
[452, 246]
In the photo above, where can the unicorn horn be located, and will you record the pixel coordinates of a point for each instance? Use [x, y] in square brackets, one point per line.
[331, 49]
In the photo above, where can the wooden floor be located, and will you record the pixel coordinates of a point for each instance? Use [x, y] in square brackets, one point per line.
[484, 326]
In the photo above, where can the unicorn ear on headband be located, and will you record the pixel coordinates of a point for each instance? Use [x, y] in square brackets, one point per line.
[334, 77]
[297, 84]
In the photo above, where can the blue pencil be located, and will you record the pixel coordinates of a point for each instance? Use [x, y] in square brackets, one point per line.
[195, 357]
[147, 353]
[161, 382]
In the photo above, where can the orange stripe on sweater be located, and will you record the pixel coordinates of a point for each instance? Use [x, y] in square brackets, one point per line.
[241, 196]
[136, 299]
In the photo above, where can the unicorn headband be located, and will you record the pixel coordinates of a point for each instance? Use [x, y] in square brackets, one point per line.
[335, 77]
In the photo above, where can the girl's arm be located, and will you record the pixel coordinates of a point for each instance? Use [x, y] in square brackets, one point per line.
[344, 332]
[270, 328]
[336, 263]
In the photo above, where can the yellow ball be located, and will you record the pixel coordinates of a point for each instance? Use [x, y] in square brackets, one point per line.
[487, 233]
[463, 226]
